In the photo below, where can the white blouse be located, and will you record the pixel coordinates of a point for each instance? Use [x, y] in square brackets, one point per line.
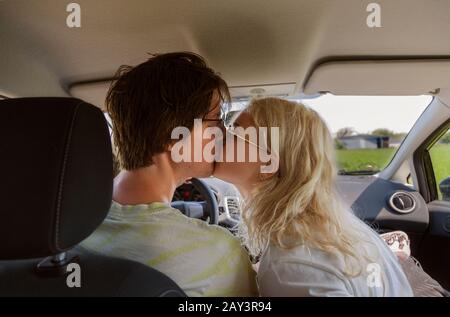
[305, 271]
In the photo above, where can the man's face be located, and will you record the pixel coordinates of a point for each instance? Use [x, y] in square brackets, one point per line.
[211, 119]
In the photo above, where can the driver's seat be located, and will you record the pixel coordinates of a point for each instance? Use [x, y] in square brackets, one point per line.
[55, 190]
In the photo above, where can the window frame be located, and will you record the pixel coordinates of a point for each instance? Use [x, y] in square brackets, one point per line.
[423, 164]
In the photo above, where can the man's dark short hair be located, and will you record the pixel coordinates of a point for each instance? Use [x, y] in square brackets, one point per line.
[148, 101]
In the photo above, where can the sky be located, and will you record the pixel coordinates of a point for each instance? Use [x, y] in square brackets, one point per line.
[367, 113]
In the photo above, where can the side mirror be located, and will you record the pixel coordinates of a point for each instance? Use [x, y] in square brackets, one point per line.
[444, 187]
[409, 179]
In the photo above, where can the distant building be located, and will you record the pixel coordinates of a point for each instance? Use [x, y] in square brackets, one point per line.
[364, 141]
[395, 143]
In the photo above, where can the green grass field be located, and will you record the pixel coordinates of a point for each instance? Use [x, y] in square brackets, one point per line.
[365, 159]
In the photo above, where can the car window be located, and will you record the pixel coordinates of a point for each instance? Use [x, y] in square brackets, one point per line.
[367, 130]
[440, 154]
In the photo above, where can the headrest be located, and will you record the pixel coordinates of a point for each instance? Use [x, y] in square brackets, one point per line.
[56, 175]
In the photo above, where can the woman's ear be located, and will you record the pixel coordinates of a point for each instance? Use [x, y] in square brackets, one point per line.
[271, 168]
[265, 176]
[268, 170]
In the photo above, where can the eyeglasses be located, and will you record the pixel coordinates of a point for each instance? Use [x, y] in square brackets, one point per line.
[221, 122]
[231, 130]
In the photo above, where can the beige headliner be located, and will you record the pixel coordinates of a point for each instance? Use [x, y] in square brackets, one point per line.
[251, 42]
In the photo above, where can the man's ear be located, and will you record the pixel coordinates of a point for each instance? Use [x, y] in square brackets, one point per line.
[169, 146]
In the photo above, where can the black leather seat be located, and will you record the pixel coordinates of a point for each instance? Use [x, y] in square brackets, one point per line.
[55, 190]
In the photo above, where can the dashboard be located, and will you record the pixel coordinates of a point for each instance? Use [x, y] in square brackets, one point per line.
[187, 192]
[383, 203]
[227, 196]
[380, 203]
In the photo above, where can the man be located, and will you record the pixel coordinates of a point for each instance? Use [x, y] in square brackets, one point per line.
[145, 104]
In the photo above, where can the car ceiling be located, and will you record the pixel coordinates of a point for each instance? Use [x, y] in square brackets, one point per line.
[251, 42]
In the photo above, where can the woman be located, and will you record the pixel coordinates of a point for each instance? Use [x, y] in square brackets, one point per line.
[309, 243]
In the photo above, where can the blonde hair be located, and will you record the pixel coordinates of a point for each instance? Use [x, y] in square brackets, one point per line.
[299, 205]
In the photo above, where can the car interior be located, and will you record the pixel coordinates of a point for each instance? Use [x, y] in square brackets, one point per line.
[58, 161]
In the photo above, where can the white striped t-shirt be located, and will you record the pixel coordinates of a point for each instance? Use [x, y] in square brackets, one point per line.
[203, 259]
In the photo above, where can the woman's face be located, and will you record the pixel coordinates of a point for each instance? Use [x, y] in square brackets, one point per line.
[236, 168]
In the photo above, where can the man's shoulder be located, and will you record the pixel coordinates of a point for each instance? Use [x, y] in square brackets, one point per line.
[202, 225]
[164, 216]
[171, 214]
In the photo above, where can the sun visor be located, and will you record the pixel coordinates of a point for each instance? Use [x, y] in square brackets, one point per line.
[380, 77]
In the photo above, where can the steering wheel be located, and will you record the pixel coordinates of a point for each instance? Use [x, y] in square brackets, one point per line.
[200, 210]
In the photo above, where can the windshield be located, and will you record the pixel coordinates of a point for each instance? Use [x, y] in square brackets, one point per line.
[367, 130]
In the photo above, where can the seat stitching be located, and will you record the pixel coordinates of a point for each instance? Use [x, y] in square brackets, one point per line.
[63, 171]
